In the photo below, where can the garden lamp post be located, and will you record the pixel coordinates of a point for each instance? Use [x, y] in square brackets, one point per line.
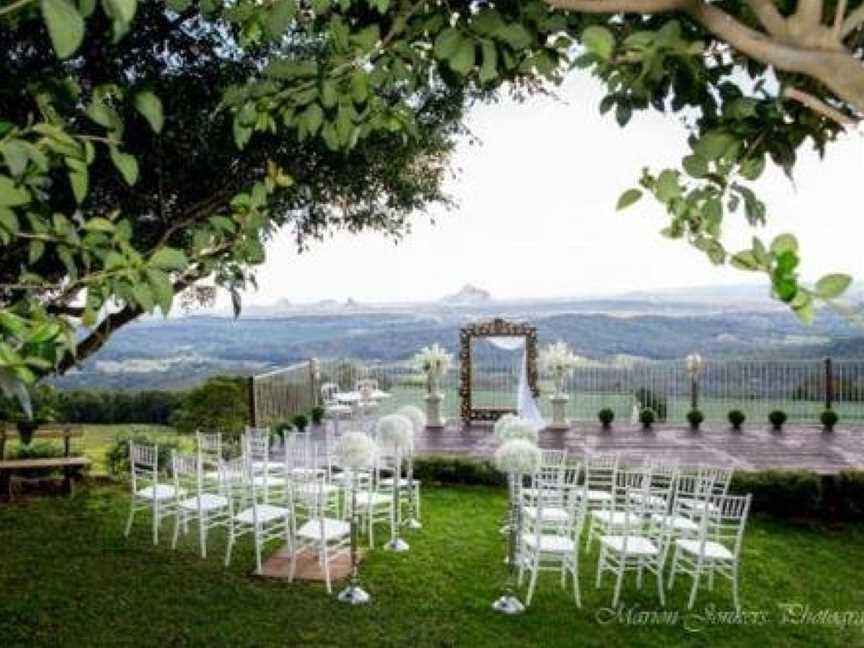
[695, 368]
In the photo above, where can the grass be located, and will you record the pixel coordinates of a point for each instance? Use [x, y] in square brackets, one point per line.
[69, 577]
[98, 438]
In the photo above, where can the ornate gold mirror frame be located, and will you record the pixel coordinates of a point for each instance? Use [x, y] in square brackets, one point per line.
[493, 328]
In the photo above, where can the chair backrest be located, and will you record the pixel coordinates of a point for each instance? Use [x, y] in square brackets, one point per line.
[186, 469]
[692, 485]
[600, 471]
[143, 463]
[631, 479]
[329, 391]
[633, 508]
[726, 522]
[209, 446]
[366, 383]
[720, 478]
[308, 491]
[256, 447]
[553, 458]
[234, 475]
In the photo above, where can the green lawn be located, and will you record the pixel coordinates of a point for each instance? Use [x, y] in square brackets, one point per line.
[98, 438]
[69, 577]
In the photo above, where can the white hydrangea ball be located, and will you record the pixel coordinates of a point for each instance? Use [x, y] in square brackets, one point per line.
[518, 457]
[396, 431]
[355, 450]
[416, 415]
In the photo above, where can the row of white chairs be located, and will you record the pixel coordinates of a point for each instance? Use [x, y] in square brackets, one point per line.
[295, 495]
[635, 516]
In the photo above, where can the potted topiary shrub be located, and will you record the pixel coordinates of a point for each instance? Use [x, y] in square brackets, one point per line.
[26, 428]
[300, 422]
[829, 419]
[606, 416]
[281, 428]
[736, 419]
[317, 415]
[695, 418]
[647, 418]
[777, 419]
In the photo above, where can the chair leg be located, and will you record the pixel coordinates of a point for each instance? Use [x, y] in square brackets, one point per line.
[258, 551]
[229, 547]
[155, 522]
[130, 518]
[639, 575]
[576, 593]
[673, 569]
[176, 530]
[326, 560]
[535, 570]
[600, 566]
[293, 566]
[735, 599]
[660, 592]
[202, 533]
[619, 580]
[695, 587]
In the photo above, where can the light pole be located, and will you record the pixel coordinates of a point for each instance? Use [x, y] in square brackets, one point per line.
[695, 368]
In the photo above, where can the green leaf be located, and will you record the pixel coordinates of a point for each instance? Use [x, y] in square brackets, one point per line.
[8, 220]
[628, 198]
[11, 195]
[463, 59]
[126, 164]
[16, 155]
[168, 258]
[122, 12]
[752, 168]
[713, 145]
[515, 35]
[143, 296]
[79, 179]
[489, 67]
[162, 289]
[312, 117]
[448, 43]
[805, 312]
[784, 242]
[178, 6]
[366, 38]
[98, 224]
[65, 26]
[667, 186]
[150, 106]
[599, 41]
[695, 166]
[35, 251]
[832, 285]
[745, 260]
[241, 133]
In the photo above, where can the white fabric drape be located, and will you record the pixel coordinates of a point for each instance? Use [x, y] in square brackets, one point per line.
[526, 406]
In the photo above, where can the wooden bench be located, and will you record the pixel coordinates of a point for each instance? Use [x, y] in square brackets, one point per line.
[71, 466]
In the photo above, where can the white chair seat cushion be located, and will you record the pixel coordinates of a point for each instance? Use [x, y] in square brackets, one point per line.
[310, 472]
[595, 495]
[337, 410]
[616, 518]
[365, 498]
[403, 482]
[158, 492]
[550, 513]
[713, 550]
[333, 529]
[266, 513]
[676, 522]
[549, 543]
[209, 502]
[311, 490]
[653, 501]
[269, 466]
[698, 505]
[636, 545]
[269, 480]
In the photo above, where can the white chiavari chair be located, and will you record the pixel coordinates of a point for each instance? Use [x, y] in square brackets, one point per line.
[334, 410]
[327, 537]
[630, 493]
[250, 513]
[147, 492]
[684, 520]
[721, 554]
[198, 500]
[373, 506]
[555, 546]
[209, 447]
[632, 547]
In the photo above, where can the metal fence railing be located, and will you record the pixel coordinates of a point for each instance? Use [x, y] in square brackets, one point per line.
[802, 388]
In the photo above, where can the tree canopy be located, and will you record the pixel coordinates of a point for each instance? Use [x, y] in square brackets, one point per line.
[147, 147]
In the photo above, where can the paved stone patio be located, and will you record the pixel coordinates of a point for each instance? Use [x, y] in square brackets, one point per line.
[796, 447]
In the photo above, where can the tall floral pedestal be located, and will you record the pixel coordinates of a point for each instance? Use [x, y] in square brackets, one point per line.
[433, 410]
[559, 416]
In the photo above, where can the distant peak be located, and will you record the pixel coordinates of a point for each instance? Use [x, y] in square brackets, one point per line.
[469, 294]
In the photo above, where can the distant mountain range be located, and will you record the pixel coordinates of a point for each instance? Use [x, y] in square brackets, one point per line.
[733, 322]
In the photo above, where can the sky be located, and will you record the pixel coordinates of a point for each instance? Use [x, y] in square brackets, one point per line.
[536, 216]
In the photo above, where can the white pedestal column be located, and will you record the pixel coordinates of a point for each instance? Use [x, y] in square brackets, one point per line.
[559, 417]
[433, 410]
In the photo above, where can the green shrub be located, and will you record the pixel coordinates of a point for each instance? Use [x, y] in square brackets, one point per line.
[37, 450]
[736, 418]
[117, 455]
[221, 404]
[317, 415]
[647, 417]
[777, 419]
[457, 470]
[781, 493]
[300, 421]
[649, 399]
[695, 418]
[606, 416]
[829, 419]
[850, 494]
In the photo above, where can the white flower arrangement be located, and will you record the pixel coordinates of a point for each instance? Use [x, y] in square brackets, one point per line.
[518, 457]
[396, 431]
[519, 428]
[433, 361]
[415, 415]
[355, 450]
[502, 423]
[558, 360]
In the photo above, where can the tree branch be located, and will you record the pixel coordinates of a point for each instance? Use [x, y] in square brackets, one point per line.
[852, 22]
[771, 19]
[817, 105]
[839, 12]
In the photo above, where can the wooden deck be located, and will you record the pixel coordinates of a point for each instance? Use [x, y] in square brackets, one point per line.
[797, 447]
